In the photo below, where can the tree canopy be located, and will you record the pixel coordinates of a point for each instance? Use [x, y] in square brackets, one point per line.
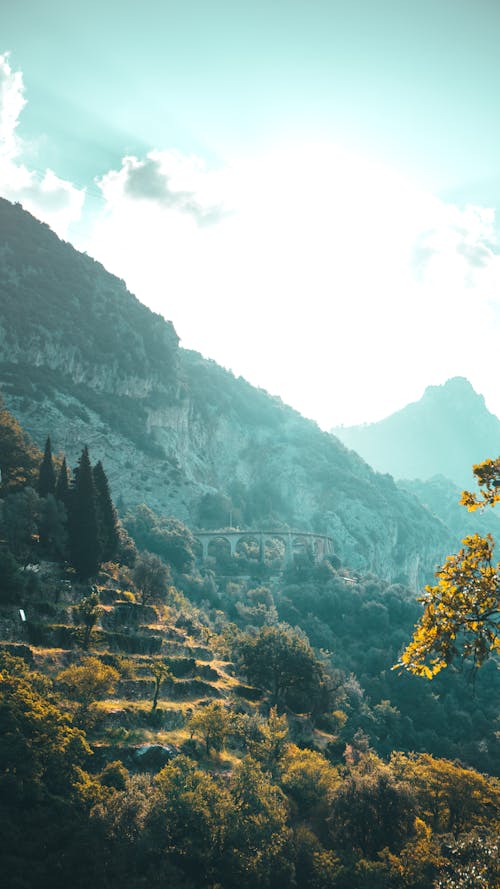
[47, 473]
[19, 457]
[107, 519]
[462, 611]
[165, 537]
[84, 542]
[280, 660]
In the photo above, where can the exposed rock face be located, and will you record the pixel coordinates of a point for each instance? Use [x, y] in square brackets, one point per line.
[444, 433]
[83, 360]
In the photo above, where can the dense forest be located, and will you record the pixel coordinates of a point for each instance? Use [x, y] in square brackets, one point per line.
[228, 724]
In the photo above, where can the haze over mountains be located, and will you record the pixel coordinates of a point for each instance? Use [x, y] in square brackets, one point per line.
[83, 360]
[444, 433]
[261, 717]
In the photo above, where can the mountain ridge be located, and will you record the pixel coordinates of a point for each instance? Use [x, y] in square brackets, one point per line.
[443, 433]
[83, 360]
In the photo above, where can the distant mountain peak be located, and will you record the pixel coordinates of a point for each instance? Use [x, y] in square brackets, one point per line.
[445, 432]
[455, 383]
[455, 387]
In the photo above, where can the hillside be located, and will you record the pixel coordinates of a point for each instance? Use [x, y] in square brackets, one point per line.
[442, 498]
[156, 738]
[139, 612]
[102, 787]
[172, 722]
[444, 433]
[83, 360]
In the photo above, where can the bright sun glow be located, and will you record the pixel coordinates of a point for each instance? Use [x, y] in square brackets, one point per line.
[322, 275]
[321, 266]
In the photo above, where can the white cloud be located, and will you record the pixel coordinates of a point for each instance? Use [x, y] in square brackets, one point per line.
[466, 238]
[46, 195]
[166, 179]
[330, 280]
[12, 102]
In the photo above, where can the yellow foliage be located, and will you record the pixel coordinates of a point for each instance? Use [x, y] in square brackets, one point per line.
[340, 717]
[212, 723]
[461, 613]
[488, 478]
[128, 595]
[89, 682]
[309, 778]
[418, 860]
[451, 797]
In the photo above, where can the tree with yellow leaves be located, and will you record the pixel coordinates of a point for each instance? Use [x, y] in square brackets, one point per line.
[87, 683]
[462, 611]
[213, 724]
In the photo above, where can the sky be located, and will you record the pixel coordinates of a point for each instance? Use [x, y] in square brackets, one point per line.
[308, 189]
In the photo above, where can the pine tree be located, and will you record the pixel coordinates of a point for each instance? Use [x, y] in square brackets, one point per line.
[84, 545]
[107, 518]
[52, 527]
[47, 475]
[62, 484]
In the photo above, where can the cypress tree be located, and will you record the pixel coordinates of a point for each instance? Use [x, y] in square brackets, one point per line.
[52, 527]
[62, 484]
[47, 474]
[84, 545]
[107, 518]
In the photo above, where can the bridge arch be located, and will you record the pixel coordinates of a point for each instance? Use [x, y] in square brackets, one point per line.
[274, 546]
[249, 547]
[288, 542]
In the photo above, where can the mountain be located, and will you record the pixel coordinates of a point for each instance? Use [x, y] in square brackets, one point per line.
[442, 498]
[444, 433]
[82, 360]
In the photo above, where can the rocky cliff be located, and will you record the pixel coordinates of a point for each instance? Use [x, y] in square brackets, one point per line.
[83, 360]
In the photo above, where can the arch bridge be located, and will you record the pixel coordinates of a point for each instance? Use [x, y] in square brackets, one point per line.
[319, 545]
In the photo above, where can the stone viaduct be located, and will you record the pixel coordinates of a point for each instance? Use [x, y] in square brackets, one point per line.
[319, 545]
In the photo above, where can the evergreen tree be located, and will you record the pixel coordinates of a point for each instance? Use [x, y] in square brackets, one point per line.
[106, 515]
[52, 527]
[62, 484]
[84, 545]
[47, 475]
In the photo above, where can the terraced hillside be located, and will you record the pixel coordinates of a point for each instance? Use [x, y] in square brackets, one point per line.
[171, 652]
[132, 639]
[205, 781]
